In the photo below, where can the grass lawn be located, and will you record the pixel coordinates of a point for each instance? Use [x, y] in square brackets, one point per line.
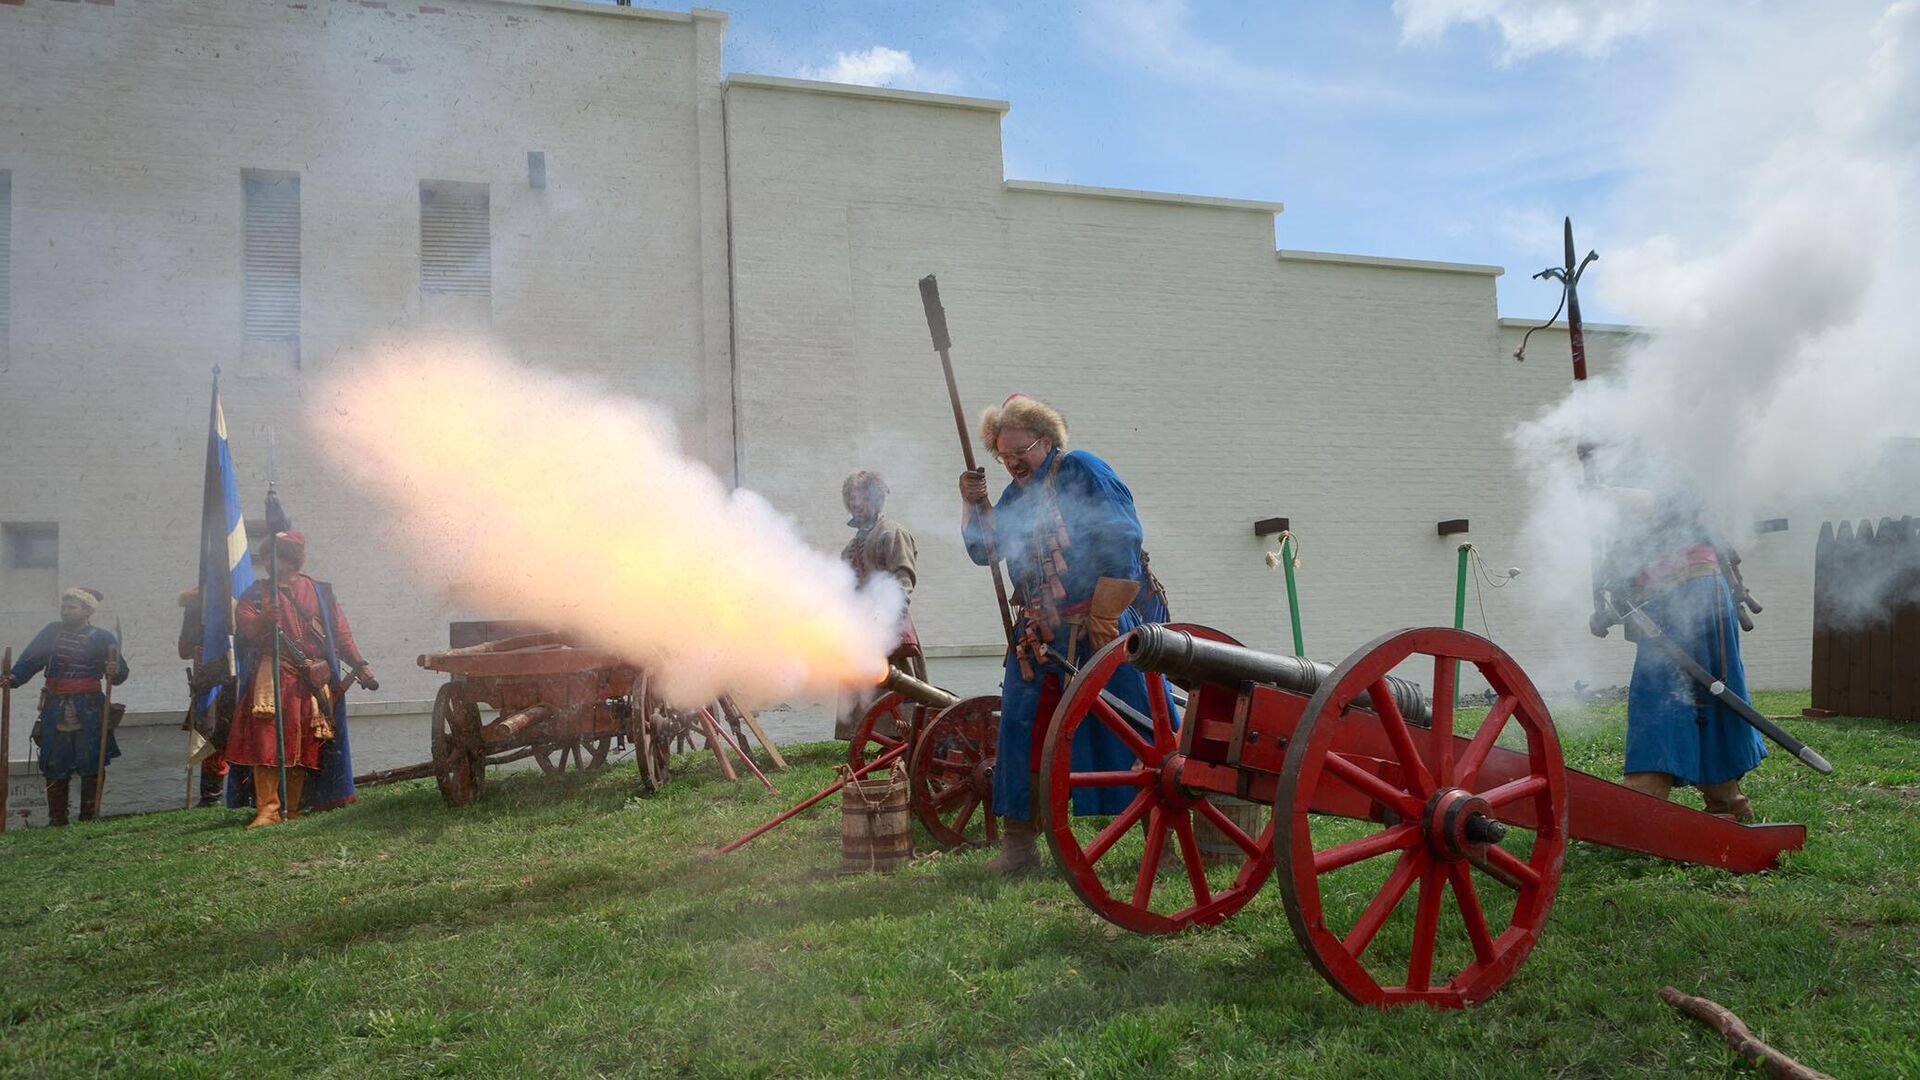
[575, 930]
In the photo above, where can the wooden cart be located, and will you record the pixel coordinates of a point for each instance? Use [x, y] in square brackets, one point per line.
[568, 706]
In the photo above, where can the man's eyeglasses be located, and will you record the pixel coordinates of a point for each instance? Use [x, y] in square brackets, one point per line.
[1022, 452]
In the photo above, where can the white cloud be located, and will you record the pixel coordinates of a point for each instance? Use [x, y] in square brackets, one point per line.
[1530, 27]
[1157, 38]
[882, 66]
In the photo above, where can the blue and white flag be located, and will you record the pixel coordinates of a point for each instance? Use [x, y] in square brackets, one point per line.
[226, 569]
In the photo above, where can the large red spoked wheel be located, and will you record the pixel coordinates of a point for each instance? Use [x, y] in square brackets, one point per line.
[952, 773]
[1159, 883]
[887, 724]
[1430, 811]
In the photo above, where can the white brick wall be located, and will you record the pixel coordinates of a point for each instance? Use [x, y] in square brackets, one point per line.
[126, 129]
[1364, 399]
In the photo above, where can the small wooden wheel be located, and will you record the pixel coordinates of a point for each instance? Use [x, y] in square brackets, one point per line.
[1431, 811]
[887, 723]
[578, 752]
[651, 731]
[1094, 859]
[459, 765]
[951, 773]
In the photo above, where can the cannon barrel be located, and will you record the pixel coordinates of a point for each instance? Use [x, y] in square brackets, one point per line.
[1178, 653]
[918, 692]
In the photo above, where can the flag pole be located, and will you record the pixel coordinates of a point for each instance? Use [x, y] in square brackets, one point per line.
[273, 586]
[213, 412]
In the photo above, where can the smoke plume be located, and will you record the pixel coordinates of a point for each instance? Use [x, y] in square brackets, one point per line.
[532, 494]
[1774, 266]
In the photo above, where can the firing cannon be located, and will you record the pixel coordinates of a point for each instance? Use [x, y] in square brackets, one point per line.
[1374, 798]
[950, 746]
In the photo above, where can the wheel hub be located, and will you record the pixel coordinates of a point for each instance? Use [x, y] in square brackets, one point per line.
[1458, 824]
[1172, 793]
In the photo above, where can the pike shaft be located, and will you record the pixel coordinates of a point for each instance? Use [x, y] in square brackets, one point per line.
[942, 344]
[6, 729]
[1648, 630]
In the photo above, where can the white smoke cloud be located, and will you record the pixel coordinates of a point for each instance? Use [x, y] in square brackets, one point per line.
[551, 498]
[1531, 27]
[882, 66]
[1775, 272]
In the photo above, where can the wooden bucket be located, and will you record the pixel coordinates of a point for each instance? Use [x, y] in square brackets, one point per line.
[876, 828]
[1215, 848]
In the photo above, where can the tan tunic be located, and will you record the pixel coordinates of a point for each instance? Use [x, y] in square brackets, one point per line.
[885, 547]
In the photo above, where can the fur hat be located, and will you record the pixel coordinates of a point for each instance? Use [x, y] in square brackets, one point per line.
[1026, 414]
[85, 597]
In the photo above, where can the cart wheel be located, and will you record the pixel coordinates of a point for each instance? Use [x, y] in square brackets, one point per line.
[652, 750]
[578, 752]
[1430, 809]
[952, 773]
[459, 766]
[887, 724]
[1092, 854]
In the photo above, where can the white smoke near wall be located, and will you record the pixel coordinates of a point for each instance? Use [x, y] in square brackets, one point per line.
[1784, 359]
[529, 492]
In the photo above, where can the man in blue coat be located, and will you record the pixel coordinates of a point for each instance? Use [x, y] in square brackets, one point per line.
[1066, 526]
[1664, 560]
[74, 656]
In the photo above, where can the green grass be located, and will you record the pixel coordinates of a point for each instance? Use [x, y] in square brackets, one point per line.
[573, 930]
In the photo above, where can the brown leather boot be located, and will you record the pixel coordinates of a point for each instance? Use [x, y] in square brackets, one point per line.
[89, 797]
[1657, 784]
[1019, 851]
[296, 783]
[266, 796]
[1727, 800]
[57, 795]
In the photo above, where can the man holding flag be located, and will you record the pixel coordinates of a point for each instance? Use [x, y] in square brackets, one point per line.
[301, 625]
[206, 626]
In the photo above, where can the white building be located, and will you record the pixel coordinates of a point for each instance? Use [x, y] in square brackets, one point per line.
[262, 185]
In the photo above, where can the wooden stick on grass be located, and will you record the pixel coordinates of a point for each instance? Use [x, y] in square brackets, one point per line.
[1752, 1050]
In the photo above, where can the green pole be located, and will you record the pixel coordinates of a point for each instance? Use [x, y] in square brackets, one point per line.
[1293, 593]
[1460, 613]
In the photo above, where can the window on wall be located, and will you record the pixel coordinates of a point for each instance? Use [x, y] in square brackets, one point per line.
[31, 547]
[270, 262]
[456, 246]
[29, 565]
[6, 265]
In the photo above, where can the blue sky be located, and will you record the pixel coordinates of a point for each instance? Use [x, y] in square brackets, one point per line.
[1466, 143]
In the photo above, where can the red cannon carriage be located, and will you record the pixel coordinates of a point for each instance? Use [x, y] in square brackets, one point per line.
[1375, 798]
[949, 745]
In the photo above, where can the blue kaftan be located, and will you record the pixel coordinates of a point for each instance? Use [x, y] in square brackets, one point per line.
[1673, 725]
[70, 654]
[1105, 537]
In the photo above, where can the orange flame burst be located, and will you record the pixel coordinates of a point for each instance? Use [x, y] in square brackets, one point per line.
[553, 500]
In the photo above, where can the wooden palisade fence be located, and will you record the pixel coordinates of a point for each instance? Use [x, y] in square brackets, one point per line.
[1867, 664]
